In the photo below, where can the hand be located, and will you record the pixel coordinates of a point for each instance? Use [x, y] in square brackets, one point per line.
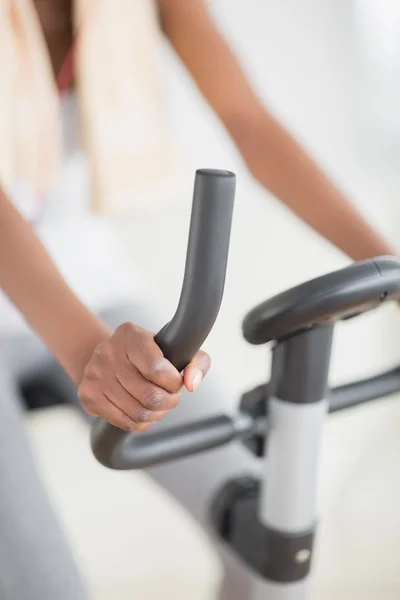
[130, 384]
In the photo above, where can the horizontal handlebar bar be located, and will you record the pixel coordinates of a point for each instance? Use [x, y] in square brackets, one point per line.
[193, 438]
[199, 303]
[365, 390]
[148, 449]
[339, 295]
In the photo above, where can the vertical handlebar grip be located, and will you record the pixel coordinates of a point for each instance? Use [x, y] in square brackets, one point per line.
[206, 262]
[198, 307]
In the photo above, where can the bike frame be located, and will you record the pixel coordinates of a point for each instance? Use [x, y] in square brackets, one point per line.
[269, 523]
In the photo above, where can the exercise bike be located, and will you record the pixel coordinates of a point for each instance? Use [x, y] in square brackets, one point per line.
[269, 523]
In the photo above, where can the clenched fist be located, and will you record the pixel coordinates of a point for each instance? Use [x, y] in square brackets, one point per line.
[130, 384]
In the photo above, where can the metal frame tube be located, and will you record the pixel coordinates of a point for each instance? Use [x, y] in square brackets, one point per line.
[297, 406]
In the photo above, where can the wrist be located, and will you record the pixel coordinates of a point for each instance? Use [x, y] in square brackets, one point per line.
[365, 243]
[373, 252]
[81, 333]
[79, 354]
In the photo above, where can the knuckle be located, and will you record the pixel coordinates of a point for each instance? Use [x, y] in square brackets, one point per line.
[142, 415]
[178, 387]
[84, 392]
[127, 424]
[127, 329]
[154, 367]
[173, 382]
[87, 398]
[93, 372]
[97, 353]
[154, 399]
[104, 352]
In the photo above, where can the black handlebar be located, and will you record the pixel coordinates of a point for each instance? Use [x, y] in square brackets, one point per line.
[339, 295]
[189, 439]
[353, 290]
[365, 390]
[143, 450]
[198, 307]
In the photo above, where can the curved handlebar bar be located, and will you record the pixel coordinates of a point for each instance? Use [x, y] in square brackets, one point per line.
[339, 295]
[198, 307]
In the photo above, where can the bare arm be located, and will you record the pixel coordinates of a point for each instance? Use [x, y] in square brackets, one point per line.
[33, 284]
[272, 155]
[124, 377]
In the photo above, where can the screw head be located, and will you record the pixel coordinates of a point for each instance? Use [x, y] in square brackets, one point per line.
[302, 556]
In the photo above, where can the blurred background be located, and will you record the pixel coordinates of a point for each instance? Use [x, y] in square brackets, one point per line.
[330, 70]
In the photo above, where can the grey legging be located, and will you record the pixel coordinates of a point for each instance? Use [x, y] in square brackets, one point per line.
[34, 560]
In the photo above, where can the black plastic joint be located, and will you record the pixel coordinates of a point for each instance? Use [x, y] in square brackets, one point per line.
[288, 556]
[255, 404]
[273, 555]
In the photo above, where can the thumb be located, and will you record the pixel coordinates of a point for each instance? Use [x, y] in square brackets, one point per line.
[196, 371]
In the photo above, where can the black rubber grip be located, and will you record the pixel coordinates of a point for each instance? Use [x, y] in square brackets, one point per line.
[200, 300]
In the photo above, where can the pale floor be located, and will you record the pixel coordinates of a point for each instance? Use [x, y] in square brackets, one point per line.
[132, 541]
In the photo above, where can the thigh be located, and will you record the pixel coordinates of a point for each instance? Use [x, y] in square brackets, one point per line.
[28, 361]
[24, 355]
[35, 561]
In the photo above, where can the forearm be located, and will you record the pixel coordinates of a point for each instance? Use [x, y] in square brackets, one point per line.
[281, 165]
[271, 154]
[33, 284]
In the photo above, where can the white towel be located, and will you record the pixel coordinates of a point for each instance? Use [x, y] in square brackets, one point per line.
[8, 71]
[123, 115]
[30, 131]
[125, 121]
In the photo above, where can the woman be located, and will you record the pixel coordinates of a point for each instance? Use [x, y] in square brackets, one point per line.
[122, 377]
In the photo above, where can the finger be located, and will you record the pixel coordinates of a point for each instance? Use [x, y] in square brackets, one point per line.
[132, 407]
[106, 410]
[196, 370]
[143, 352]
[150, 396]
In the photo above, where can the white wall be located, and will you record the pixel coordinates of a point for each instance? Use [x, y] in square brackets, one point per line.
[300, 56]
